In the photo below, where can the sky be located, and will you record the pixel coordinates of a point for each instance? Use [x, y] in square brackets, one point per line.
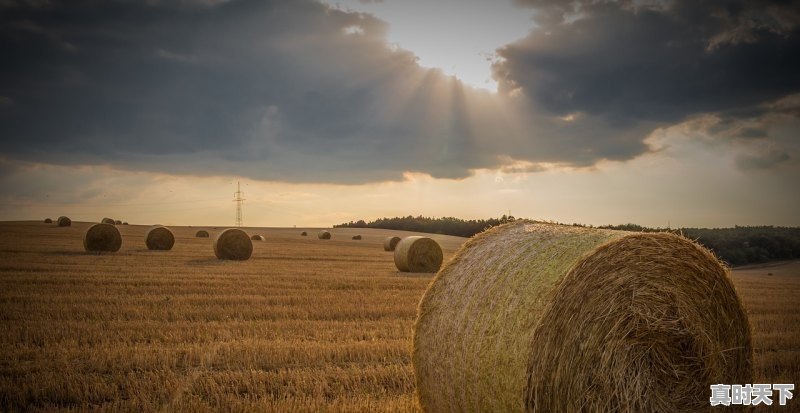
[662, 113]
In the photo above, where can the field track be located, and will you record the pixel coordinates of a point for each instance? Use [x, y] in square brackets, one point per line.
[304, 325]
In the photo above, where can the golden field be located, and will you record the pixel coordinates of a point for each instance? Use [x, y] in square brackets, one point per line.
[304, 325]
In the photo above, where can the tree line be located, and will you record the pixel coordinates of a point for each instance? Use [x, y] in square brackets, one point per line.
[740, 245]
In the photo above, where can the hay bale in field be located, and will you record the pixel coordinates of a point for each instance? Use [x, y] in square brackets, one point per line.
[257, 238]
[107, 221]
[233, 244]
[117, 222]
[201, 234]
[548, 318]
[357, 237]
[390, 243]
[303, 234]
[102, 237]
[418, 254]
[48, 221]
[124, 223]
[64, 221]
[159, 238]
[324, 235]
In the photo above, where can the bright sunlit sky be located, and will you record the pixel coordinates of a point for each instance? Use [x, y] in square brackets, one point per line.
[151, 112]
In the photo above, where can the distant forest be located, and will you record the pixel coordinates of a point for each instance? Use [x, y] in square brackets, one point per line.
[736, 246]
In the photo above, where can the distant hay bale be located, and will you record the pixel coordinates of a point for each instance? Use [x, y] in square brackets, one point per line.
[324, 235]
[48, 221]
[357, 237]
[418, 254]
[257, 238]
[108, 221]
[159, 238]
[303, 234]
[390, 243]
[124, 223]
[117, 222]
[102, 237]
[64, 221]
[201, 234]
[233, 244]
[548, 318]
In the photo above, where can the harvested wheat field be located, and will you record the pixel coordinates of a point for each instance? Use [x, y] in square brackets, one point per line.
[302, 325]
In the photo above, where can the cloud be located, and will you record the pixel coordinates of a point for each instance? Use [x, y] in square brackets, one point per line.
[301, 92]
[765, 159]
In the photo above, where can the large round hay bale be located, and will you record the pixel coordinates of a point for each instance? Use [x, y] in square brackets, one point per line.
[233, 244]
[48, 221]
[201, 234]
[357, 237]
[324, 235]
[64, 221]
[257, 238]
[159, 238]
[303, 234]
[418, 254]
[547, 318]
[102, 237]
[117, 222]
[390, 243]
[107, 221]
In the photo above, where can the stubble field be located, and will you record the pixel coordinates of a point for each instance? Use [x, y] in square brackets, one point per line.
[304, 325]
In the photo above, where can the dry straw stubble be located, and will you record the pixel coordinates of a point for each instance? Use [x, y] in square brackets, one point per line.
[159, 238]
[546, 318]
[418, 254]
[324, 235]
[390, 243]
[233, 244]
[102, 238]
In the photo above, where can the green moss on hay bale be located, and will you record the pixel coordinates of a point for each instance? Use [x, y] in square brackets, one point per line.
[390, 243]
[233, 244]
[108, 221]
[48, 221]
[159, 238]
[324, 235]
[201, 234]
[64, 221]
[547, 318]
[257, 238]
[357, 237]
[102, 238]
[418, 254]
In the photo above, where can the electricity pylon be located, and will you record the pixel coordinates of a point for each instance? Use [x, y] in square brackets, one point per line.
[238, 197]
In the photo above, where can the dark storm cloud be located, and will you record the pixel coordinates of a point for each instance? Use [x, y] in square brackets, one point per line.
[634, 61]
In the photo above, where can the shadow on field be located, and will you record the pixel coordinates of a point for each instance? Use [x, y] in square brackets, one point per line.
[415, 274]
[208, 261]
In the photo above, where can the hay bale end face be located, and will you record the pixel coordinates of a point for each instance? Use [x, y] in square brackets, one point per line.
[48, 221]
[548, 318]
[108, 221]
[257, 238]
[201, 234]
[324, 235]
[418, 254]
[303, 234]
[102, 238]
[64, 221]
[390, 243]
[357, 237]
[233, 244]
[159, 238]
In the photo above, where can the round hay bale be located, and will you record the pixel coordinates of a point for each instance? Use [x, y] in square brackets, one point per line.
[548, 318]
[159, 238]
[64, 221]
[257, 238]
[390, 243]
[201, 234]
[124, 223]
[324, 235]
[233, 244]
[107, 221]
[418, 254]
[48, 221]
[303, 234]
[117, 222]
[102, 237]
[357, 237]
